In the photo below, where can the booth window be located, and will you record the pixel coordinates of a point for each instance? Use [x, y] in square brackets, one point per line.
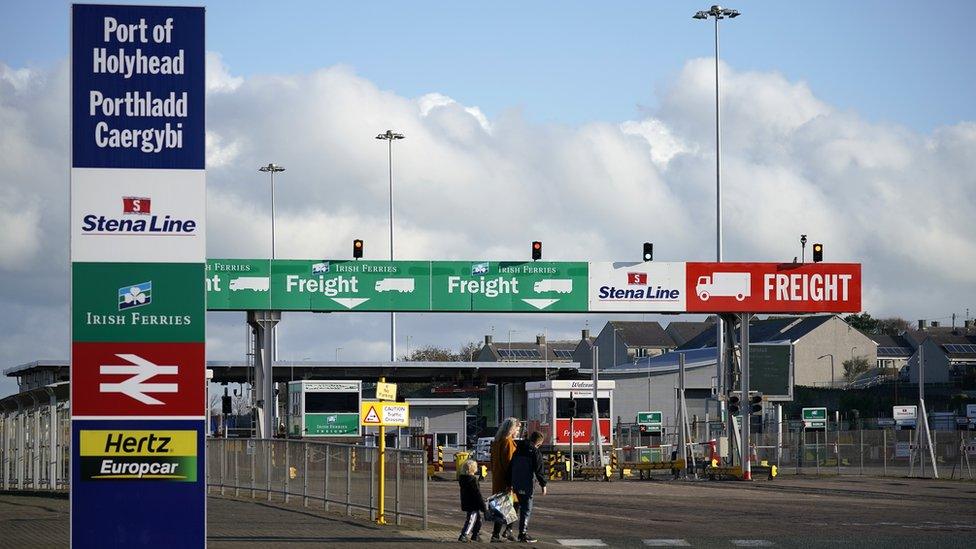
[331, 403]
[584, 407]
[448, 440]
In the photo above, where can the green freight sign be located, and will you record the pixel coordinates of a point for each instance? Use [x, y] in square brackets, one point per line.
[417, 286]
[652, 419]
[331, 425]
[144, 302]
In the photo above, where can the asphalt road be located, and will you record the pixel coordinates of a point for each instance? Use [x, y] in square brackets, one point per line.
[786, 512]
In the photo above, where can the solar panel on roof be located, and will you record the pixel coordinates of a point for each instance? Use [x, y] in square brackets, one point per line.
[563, 353]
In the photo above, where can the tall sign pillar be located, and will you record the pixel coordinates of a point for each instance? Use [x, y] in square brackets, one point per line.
[138, 253]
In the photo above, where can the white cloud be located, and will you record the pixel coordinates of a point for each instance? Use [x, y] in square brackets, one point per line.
[899, 201]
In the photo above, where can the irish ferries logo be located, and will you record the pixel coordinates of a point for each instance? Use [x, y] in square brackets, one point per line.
[134, 296]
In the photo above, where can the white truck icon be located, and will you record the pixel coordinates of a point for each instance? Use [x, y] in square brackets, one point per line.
[402, 285]
[561, 285]
[253, 283]
[737, 285]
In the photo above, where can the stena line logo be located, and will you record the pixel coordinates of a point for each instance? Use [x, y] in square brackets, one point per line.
[136, 218]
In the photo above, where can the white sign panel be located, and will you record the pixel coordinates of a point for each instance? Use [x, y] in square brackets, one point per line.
[971, 411]
[138, 215]
[637, 287]
[904, 412]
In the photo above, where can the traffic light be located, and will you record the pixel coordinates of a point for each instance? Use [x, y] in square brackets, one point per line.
[225, 405]
[536, 250]
[755, 404]
[817, 253]
[572, 407]
[733, 404]
[357, 249]
[648, 251]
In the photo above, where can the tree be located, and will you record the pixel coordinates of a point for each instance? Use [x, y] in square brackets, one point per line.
[892, 326]
[854, 367]
[467, 353]
[862, 322]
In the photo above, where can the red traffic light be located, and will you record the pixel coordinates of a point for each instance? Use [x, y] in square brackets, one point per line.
[357, 248]
[536, 250]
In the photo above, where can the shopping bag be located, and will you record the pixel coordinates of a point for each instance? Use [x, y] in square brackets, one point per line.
[501, 509]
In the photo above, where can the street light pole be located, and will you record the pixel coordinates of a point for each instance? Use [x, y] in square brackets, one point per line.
[390, 136]
[272, 168]
[718, 12]
[831, 366]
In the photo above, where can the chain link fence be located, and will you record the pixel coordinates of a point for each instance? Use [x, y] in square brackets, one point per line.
[339, 477]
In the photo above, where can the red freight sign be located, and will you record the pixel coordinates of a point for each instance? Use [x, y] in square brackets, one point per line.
[582, 431]
[774, 287]
[137, 379]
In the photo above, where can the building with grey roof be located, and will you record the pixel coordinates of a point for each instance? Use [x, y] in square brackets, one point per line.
[623, 342]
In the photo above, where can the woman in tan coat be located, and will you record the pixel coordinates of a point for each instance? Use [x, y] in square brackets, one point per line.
[502, 450]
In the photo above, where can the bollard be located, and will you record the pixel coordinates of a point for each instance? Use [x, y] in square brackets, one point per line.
[559, 464]
[613, 460]
[551, 466]
[440, 458]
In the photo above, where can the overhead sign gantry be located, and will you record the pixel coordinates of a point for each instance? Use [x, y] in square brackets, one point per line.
[531, 286]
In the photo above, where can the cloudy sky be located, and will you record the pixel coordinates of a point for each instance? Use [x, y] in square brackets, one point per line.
[586, 126]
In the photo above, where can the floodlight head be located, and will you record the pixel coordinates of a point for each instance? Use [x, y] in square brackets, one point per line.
[733, 14]
[700, 15]
[271, 167]
[390, 135]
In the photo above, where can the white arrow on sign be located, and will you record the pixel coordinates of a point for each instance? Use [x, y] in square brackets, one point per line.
[540, 303]
[350, 302]
[136, 386]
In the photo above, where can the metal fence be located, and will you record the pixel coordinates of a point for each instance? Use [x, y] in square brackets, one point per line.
[34, 452]
[844, 448]
[337, 476]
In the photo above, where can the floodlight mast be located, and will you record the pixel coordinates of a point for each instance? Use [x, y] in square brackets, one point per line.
[390, 136]
[718, 12]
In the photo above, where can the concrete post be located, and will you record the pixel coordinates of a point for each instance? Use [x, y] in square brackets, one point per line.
[263, 323]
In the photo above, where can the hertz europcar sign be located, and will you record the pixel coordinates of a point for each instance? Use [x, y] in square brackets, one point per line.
[138, 455]
[511, 286]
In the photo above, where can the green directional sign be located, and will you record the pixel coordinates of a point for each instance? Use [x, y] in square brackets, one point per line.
[649, 418]
[145, 302]
[238, 284]
[771, 370]
[303, 285]
[528, 286]
[814, 418]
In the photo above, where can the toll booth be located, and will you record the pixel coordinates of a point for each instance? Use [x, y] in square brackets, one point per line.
[548, 411]
[324, 409]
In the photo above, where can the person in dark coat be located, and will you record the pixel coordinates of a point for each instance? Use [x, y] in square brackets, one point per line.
[471, 502]
[527, 469]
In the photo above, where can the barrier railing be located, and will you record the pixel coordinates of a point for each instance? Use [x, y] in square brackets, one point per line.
[340, 476]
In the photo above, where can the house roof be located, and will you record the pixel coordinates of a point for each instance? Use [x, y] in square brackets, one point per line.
[532, 350]
[642, 334]
[892, 346]
[784, 328]
[682, 332]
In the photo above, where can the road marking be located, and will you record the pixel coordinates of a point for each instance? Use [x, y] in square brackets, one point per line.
[752, 543]
[581, 542]
[666, 543]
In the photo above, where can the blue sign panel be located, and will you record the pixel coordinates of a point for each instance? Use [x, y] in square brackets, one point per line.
[137, 87]
[138, 483]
